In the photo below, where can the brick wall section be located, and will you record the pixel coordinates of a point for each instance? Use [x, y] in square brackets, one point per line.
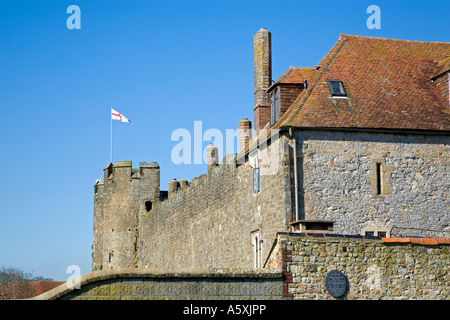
[262, 117]
[211, 222]
[286, 259]
[374, 269]
[288, 94]
[337, 175]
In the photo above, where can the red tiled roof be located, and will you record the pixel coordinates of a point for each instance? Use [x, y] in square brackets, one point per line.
[387, 83]
[39, 287]
[24, 290]
[422, 241]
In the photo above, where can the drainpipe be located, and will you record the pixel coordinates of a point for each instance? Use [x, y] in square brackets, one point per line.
[295, 174]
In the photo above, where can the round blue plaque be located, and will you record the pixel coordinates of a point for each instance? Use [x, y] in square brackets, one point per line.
[336, 283]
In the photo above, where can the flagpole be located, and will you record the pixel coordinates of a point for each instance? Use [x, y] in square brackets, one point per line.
[111, 136]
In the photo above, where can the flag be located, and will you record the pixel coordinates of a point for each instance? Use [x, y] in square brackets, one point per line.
[118, 116]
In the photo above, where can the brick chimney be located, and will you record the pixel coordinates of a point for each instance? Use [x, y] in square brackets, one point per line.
[245, 133]
[263, 77]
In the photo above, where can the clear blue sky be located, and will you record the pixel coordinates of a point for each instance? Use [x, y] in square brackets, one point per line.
[164, 65]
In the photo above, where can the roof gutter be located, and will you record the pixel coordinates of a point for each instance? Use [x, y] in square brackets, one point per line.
[290, 135]
[369, 130]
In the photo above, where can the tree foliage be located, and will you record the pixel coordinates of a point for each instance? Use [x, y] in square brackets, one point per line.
[15, 283]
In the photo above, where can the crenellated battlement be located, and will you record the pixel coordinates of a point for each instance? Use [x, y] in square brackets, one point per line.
[124, 169]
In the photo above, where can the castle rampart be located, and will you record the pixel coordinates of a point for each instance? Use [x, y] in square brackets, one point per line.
[220, 219]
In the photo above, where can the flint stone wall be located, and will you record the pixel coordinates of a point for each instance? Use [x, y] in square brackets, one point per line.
[374, 269]
[338, 181]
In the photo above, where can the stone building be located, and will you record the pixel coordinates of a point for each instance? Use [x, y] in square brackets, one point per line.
[357, 145]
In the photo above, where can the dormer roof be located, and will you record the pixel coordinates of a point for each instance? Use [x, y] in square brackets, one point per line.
[294, 75]
[442, 67]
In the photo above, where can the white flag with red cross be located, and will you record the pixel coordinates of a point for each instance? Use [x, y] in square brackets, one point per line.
[118, 116]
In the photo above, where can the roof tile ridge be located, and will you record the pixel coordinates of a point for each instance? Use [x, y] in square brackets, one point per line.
[285, 75]
[347, 36]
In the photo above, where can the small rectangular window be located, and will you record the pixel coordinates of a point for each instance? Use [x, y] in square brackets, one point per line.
[370, 233]
[257, 248]
[379, 183]
[275, 111]
[336, 88]
[272, 109]
[382, 234]
[256, 180]
[277, 104]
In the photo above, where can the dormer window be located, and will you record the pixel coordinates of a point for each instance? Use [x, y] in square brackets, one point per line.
[275, 106]
[336, 88]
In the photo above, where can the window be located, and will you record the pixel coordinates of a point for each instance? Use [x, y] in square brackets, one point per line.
[257, 253]
[275, 106]
[272, 109]
[257, 248]
[256, 175]
[379, 183]
[256, 180]
[148, 205]
[381, 234]
[336, 88]
[380, 177]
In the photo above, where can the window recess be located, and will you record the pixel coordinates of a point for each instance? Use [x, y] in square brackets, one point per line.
[336, 88]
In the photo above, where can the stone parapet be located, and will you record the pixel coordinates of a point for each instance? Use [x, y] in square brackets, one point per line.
[145, 284]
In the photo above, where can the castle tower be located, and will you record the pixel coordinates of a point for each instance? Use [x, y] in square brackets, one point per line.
[263, 77]
[116, 205]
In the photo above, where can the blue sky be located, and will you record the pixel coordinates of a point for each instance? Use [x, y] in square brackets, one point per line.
[164, 65]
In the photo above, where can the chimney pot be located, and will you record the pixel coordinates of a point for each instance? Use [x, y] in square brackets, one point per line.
[245, 133]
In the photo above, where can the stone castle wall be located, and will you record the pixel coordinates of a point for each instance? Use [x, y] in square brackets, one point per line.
[219, 220]
[338, 181]
[375, 269]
